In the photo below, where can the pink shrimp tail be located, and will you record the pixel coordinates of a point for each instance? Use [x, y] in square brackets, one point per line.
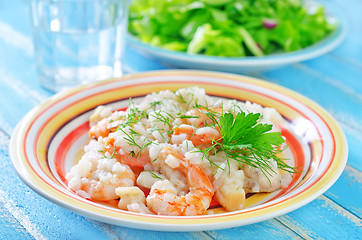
[198, 179]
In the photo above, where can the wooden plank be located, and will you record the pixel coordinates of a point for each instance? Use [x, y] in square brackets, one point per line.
[323, 219]
[350, 49]
[263, 230]
[135, 234]
[17, 214]
[15, 223]
[354, 139]
[271, 229]
[329, 68]
[11, 114]
[347, 191]
[10, 227]
[16, 12]
[136, 62]
[338, 101]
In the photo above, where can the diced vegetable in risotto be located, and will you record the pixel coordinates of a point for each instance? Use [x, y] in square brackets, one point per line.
[176, 152]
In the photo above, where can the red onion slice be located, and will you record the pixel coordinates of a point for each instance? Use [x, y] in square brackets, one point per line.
[269, 23]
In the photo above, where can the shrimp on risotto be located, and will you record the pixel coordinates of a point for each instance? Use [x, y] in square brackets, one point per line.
[163, 198]
[177, 153]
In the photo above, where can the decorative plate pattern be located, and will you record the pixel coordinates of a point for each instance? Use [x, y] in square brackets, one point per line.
[50, 138]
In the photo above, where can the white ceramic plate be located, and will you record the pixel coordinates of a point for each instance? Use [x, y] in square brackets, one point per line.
[48, 140]
[244, 64]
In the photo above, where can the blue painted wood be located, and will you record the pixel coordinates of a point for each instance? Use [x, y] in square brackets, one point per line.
[272, 229]
[329, 68]
[332, 80]
[354, 138]
[323, 219]
[10, 228]
[263, 230]
[326, 92]
[17, 14]
[134, 58]
[134, 234]
[348, 197]
[351, 50]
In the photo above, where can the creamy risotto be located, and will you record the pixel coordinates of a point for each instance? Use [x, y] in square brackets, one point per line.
[175, 152]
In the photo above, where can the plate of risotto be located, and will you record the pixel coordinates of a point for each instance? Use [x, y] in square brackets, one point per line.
[179, 150]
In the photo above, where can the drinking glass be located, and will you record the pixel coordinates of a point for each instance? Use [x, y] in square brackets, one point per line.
[78, 41]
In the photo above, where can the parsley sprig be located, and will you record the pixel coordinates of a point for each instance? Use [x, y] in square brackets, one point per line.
[248, 142]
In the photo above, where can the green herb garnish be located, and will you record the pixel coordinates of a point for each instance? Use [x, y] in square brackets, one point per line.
[183, 116]
[154, 175]
[130, 138]
[249, 142]
[154, 104]
[165, 119]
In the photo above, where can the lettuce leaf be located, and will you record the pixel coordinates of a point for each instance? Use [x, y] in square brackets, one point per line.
[230, 28]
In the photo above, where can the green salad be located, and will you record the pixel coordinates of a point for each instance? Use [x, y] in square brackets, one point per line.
[230, 28]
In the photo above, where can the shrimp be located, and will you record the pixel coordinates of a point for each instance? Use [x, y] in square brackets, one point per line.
[122, 156]
[132, 199]
[164, 199]
[104, 183]
[103, 128]
[96, 177]
[198, 128]
[102, 122]
[201, 136]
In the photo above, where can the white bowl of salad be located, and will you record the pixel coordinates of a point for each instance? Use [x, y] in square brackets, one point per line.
[237, 36]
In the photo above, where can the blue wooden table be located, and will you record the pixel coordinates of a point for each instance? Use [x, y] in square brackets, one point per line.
[333, 80]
